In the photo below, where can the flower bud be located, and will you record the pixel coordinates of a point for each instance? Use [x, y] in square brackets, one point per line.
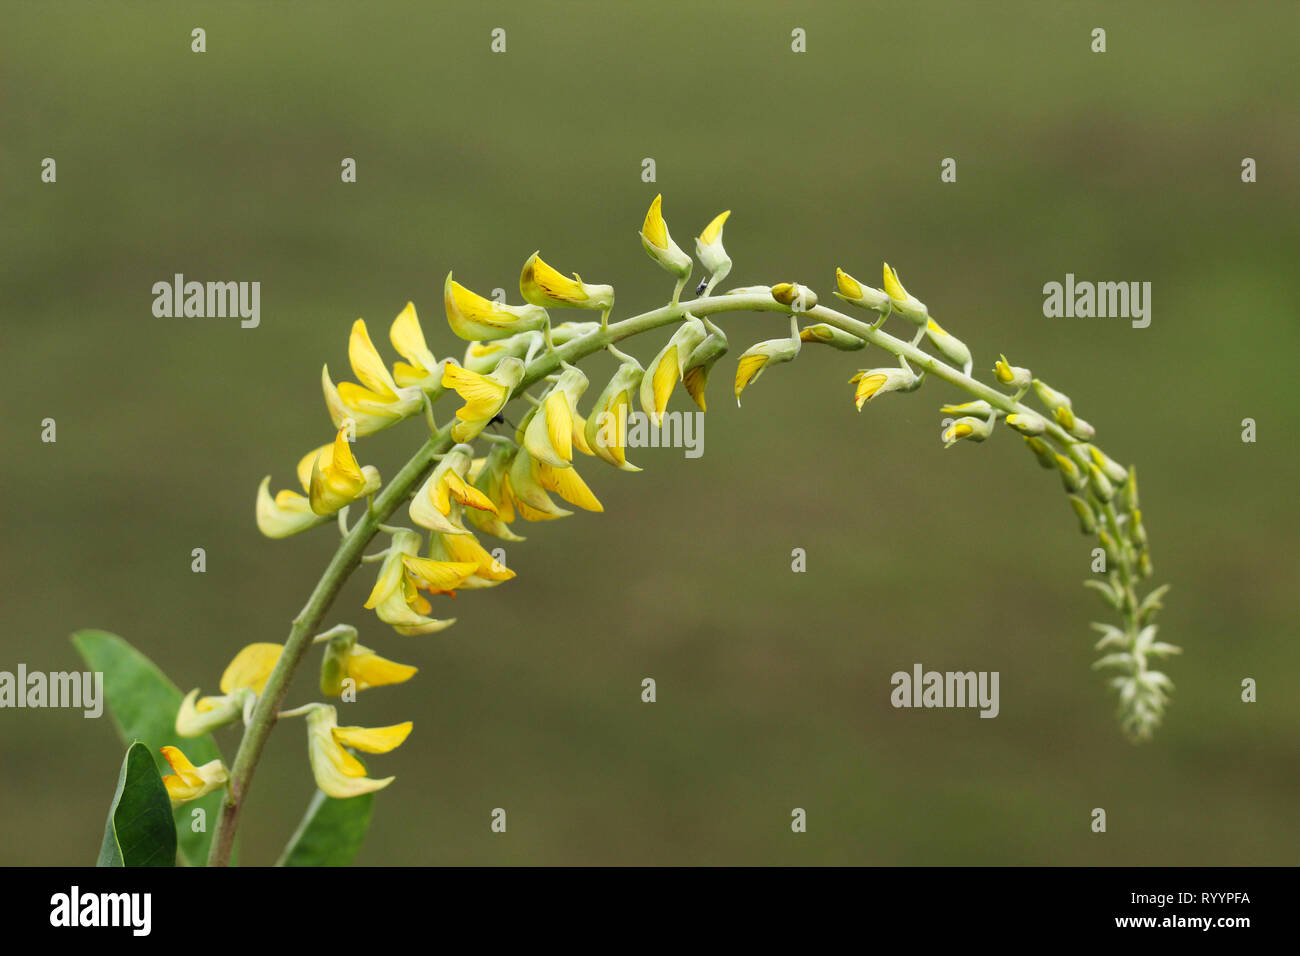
[1050, 397]
[668, 367]
[876, 381]
[973, 429]
[798, 297]
[952, 348]
[659, 244]
[483, 357]
[757, 358]
[1100, 484]
[606, 430]
[1027, 423]
[1012, 375]
[1131, 503]
[829, 335]
[1076, 426]
[903, 303]
[1071, 475]
[701, 361]
[981, 408]
[854, 292]
[1087, 517]
[1114, 471]
[708, 247]
[1046, 457]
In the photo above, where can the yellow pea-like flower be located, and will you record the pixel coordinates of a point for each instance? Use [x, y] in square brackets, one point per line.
[438, 503]
[187, 782]
[829, 335]
[396, 598]
[971, 429]
[477, 319]
[755, 360]
[241, 683]
[549, 432]
[529, 497]
[606, 430]
[1012, 375]
[488, 475]
[659, 244]
[901, 301]
[335, 478]
[338, 773]
[484, 395]
[1027, 423]
[876, 381]
[377, 402]
[420, 368]
[465, 550]
[854, 292]
[695, 374]
[346, 660]
[708, 246]
[668, 367]
[542, 285]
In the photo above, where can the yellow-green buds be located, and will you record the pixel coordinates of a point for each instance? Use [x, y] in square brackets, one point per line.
[757, 358]
[377, 402]
[981, 408]
[1100, 484]
[695, 375]
[1113, 469]
[1050, 397]
[338, 773]
[606, 430]
[829, 335]
[798, 297]
[1012, 375]
[187, 782]
[659, 244]
[952, 348]
[437, 504]
[876, 381]
[1071, 476]
[1027, 423]
[420, 368]
[1076, 426]
[708, 246]
[477, 319]
[542, 285]
[549, 435]
[334, 479]
[969, 428]
[347, 661]
[241, 683]
[396, 598]
[905, 304]
[1046, 457]
[854, 292]
[668, 367]
[484, 395]
[1131, 502]
[1087, 517]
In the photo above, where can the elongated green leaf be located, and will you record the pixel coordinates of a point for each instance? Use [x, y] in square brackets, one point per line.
[143, 703]
[331, 831]
[139, 831]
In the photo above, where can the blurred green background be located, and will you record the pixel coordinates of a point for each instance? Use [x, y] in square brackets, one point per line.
[773, 686]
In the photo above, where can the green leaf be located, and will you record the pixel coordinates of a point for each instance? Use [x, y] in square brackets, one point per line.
[140, 831]
[331, 831]
[143, 704]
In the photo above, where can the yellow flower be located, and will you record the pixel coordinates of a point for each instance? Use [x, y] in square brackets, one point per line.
[396, 598]
[901, 301]
[420, 368]
[338, 773]
[695, 375]
[484, 395]
[187, 782]
[668, 367]
[526, 491]
[542, 285]
[756, 359]
[334, 478]
[659, 244]
[465, 550]
[533, 478]
[437, 505]
[488, 475]
[708, 246]
[854, 292]
[875, 381]
[549, 431]
[377, 402]
[241, 683]
[973, 429]
[346, 660]
[606, 430]
[1027, 423]
[799, 297]
[475, 318]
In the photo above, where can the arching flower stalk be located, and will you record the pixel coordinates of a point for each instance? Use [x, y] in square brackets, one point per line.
[470, 477]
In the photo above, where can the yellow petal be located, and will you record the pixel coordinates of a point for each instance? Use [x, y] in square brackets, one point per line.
[466, 548]
[369, 670]
[868, 385]
[746, 369]
[373, 740]
[714, 229]
[483, 397]
[568, 484]
[390, 576]
[848, 286]
[654, 229]
[309, 460]
[367, 365]
[407, 336]
[893, 288]
[440, 575]
[559, 424]
[666, 375]
[251, 668]
[467, 494]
